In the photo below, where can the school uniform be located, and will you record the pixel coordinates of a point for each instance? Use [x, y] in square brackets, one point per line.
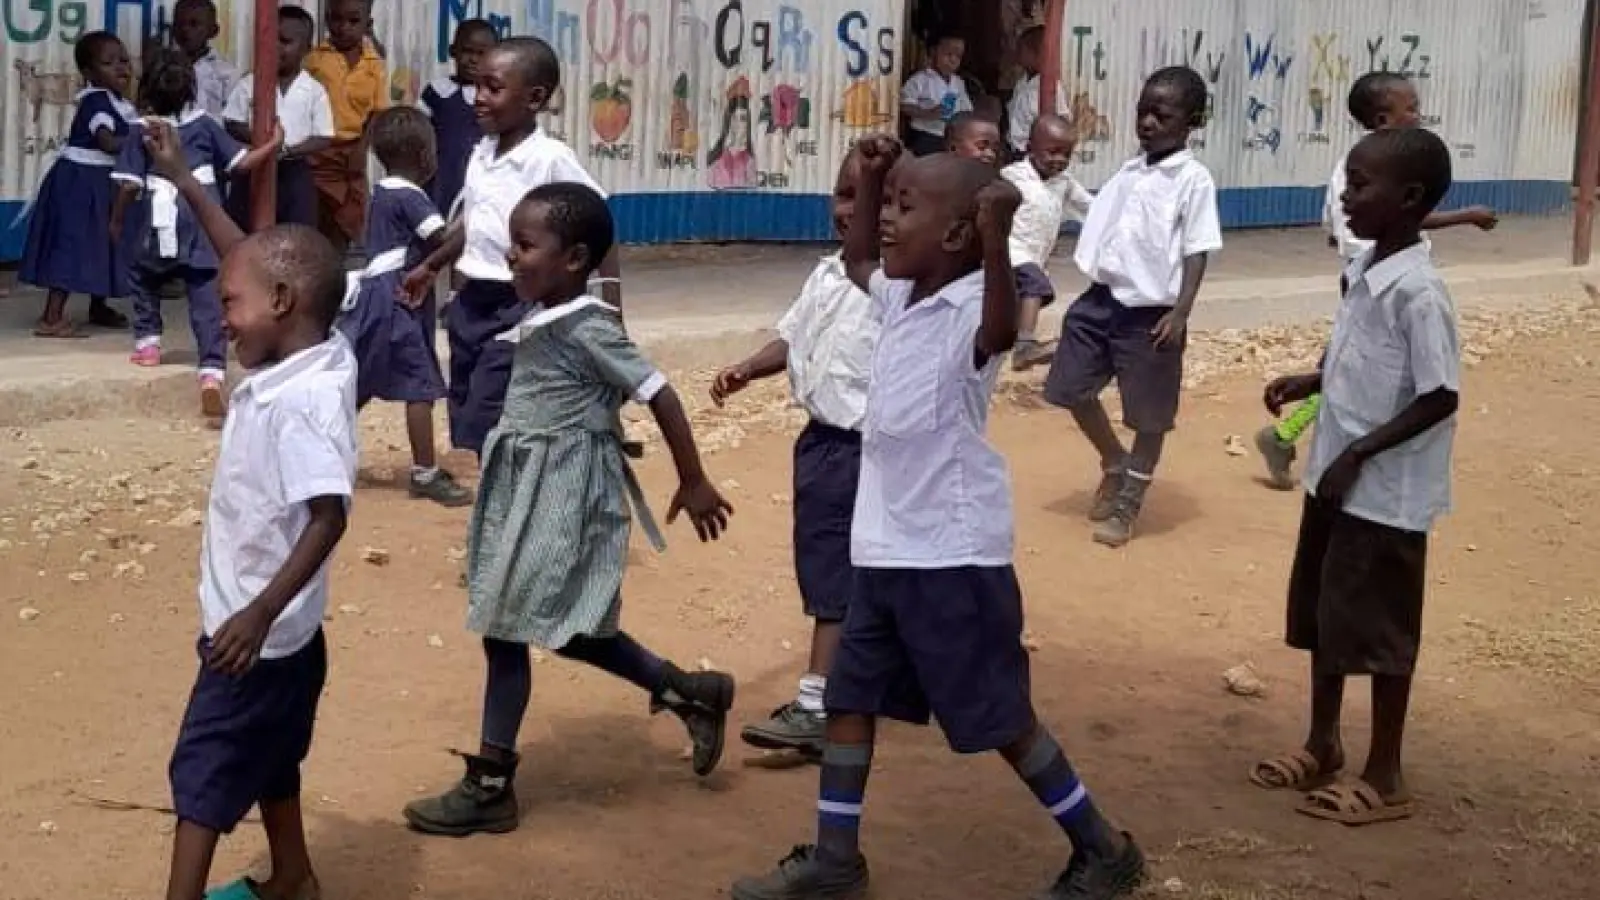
[214, 80]
[173, 244]
[448, 104]
[831, 331]
[355, 93]
[929, 88]
[1023, 111]
[935, 620]
[487, 304]
[1359, 574]
[305, 113]
[68, 246]
[1144, 222]
[289, 438]
[394, 346]
[1037, 225]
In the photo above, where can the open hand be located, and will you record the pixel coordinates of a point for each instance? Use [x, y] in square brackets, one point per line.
[237, 644]
[728, 382]
[1169, 331]
[878, 152]
[706, 509]
[1288, 389]
[415, 286]
[1334, 486]
[997, 206]
[166, 150]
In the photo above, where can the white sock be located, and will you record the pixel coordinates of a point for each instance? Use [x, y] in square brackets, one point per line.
[812, 688]
[424, 474]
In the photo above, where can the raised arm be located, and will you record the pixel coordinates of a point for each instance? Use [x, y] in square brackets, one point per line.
[997, 332]
[878, 155]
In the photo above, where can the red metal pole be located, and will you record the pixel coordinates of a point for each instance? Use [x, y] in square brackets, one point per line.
[264, 113]
[1055, 18]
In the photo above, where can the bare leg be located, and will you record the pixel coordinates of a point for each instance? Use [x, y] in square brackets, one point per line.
[1146, 454]
[291, 862]
[824, 644]
[1028, 319]
[193, 846]
[55, 308]
[419, 431]
[1391, 697]
[1327, 701]
[1096, 426]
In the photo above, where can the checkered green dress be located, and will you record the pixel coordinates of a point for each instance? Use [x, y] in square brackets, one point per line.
[548, 538]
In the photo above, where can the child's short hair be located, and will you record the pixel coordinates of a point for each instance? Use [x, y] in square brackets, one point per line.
[401, 136]
[468, 26]
[961, 122]
[1417, 156]
[1191, 89]
[298, 14]
[209, 5]
[167, 85]
[89, 46]
[1366, 96]
[305, 261]
[577, 215]
[537, 62]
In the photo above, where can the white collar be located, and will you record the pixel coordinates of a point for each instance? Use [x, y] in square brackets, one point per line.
[396, 183]
[959, 292]
[265, 384]
[189, 116]
[544, 315]
[1177, 160]
[1380, 277]
[517, 156]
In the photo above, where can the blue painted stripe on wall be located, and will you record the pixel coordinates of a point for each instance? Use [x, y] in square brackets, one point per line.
[670, 217]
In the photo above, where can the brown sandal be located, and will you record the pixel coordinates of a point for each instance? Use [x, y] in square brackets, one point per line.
[62, 329]
[1297, 770]
[1354, 803]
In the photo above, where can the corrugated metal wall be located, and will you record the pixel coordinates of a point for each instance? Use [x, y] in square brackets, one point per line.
[726, 119]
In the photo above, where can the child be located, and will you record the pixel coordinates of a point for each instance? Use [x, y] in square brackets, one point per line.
[448, 101]
[306, 117]
[934, 95]
[825, 342]
[1377, 478]
[549, 532]
[1024, 107]
[393, 339]
[173, 243]
[935, 622]
[194, 27]
[352, 72]
[1144, 247]
[975, 137]
[279, 503]
[516, 82]
[68, 250]
[1379, 101]
[1048, 194]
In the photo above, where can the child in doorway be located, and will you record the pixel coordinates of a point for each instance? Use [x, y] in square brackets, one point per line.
[1377, 478]
[352, 71]
[825, 342]
[935, 623]
[306, 117]
[1048, 195]
[516, 82]
[194, 27]
[975, 137]
[933, 96]
[1144, 247]
[278, 507]
[68, 250]
[548, 538]
[393, 334]
[1023, 110]
[448, 102]
[1379, 101]
[174, 244]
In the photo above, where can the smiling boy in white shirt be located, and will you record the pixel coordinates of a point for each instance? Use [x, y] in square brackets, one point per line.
[1048, 195]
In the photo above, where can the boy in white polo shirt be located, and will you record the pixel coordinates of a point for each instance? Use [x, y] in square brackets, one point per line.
[517, 80]
[935, 623]
[278, 506]
[1144, 247]
[1049, 194]
[934, 96]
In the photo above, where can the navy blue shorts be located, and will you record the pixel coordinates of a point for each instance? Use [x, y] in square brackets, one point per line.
[243, 739]
[1033, 282]
[1100, 340]
[827, 466]
[480, 366]
[940, 641]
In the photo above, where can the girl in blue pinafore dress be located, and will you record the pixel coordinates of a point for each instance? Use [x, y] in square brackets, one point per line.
[172, 244]
[548, 537]
[447, 101]
[69, 248]
[394, 340]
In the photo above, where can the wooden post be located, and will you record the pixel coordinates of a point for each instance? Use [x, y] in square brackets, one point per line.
[264, 113]
[1055, 17]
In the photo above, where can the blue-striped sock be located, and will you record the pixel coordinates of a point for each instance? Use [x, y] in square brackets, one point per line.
[1048, 774]
[845, 768]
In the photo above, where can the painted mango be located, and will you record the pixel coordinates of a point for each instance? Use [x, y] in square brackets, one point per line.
[611, 109]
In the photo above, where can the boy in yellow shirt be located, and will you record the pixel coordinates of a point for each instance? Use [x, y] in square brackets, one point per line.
[351, 68]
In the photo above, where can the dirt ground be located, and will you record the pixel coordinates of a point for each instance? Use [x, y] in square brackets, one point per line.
[99, 534]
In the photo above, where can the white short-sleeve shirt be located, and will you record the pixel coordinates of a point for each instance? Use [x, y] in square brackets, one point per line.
[929, 88]
[933, 493]
[303, 109]
[831, 330]
[496, 184]
[1045, 205]
[1144, 222]
[290, 437]
[1023, 111]
[214, 81]
[1394, 340]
